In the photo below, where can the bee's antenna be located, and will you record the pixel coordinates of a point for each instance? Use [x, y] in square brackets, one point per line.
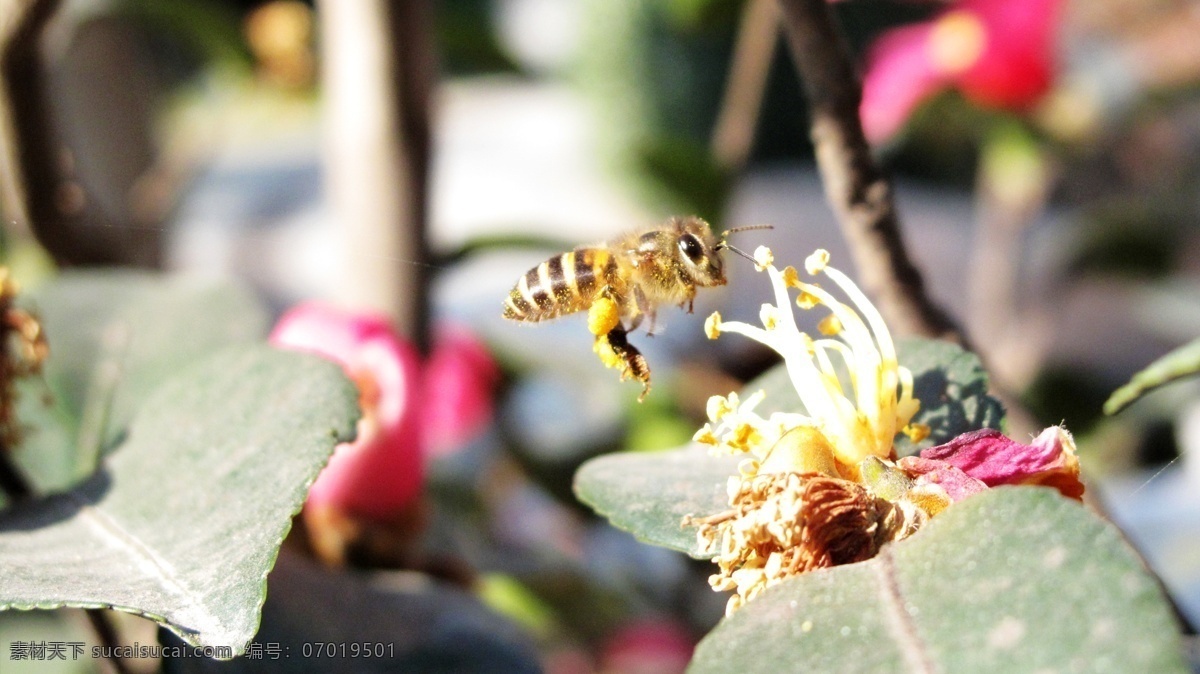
[725, 244]
[739, 251]
[744, 228]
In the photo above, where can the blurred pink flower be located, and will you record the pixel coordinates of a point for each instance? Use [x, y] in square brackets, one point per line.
[648, 646]
[992, 459]
[460, 377]
[380, 475]
[998, 53]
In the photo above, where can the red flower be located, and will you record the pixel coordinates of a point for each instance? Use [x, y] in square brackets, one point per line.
[405, 406]
[459, 379]
[998, 53]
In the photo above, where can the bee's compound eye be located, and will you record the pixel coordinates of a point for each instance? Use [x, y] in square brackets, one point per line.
[691, 247]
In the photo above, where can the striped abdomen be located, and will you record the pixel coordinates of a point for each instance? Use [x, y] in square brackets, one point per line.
[561, 285]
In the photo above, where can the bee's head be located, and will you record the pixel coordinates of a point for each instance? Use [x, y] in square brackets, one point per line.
[698, 252]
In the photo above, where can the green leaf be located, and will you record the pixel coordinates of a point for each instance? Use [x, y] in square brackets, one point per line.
[114, 337]
[648, 494]
[1179, 363]
[952, 387]
[185, 517]
[1015, 579]
[950, 383]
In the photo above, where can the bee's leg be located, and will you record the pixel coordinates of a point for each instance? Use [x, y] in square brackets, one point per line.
[636, 321]
[625, 357]
[644, 308]
[653, 317]
[691, 299]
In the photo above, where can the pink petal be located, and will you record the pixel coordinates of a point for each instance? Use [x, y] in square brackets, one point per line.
[899, 77]
[1018, 63]
[460, 378]
[379, 474]
[989, 456]
[957, 484]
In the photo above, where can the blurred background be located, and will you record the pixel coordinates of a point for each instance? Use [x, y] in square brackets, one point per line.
[419, 163]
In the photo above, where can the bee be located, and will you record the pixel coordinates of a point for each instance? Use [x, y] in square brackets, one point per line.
[623, 282]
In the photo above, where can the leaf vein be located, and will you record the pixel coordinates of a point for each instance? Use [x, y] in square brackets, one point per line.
[899, 621]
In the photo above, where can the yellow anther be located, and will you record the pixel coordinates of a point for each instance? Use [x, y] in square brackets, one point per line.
[916, 432]
[763, 258]
[705, 436]
[719, 406]
[769, 315]
[815, 263]
[712, 325]
[830, 325]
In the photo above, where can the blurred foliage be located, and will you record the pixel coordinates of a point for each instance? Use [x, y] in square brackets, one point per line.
[942, 141]
[1068, 395]
[656, 72]
[702, 16]
[188, 34]
[783, 126]
[685, 169]
[657, 424]
[508, 596]
[1128, 237]
[467, 40]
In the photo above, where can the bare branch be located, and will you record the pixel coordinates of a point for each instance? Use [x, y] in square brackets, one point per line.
[859, 192]
[733, 135]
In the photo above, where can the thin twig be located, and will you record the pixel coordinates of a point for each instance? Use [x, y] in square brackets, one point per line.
[733, 135]
[859, 192]
[378, 76]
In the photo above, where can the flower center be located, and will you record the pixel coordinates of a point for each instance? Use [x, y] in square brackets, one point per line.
[956, 42]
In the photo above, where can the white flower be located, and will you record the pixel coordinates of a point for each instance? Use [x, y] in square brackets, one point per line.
[859, 417]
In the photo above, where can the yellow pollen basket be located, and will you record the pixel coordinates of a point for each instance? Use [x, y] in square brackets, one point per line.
[607, 355]
[956, 42]
[603, 316]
